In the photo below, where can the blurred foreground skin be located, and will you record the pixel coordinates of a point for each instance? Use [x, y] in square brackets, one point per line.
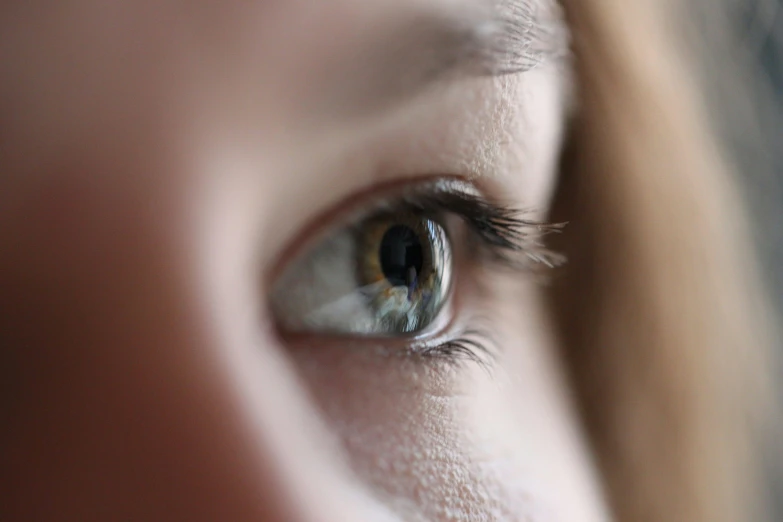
[160, 164]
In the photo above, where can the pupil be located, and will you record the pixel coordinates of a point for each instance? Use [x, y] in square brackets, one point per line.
[401, 251]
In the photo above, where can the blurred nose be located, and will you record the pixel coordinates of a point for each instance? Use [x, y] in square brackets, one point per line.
[130, 388]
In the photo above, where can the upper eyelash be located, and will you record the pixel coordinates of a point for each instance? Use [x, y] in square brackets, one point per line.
[512, 239]
[509, 237]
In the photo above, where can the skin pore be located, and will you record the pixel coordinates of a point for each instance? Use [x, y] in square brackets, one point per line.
[161, 162]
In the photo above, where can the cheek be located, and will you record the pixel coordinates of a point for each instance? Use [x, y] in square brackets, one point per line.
[448, 441]
[401, 423]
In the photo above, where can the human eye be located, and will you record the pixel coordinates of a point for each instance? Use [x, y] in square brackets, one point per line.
[395, 268]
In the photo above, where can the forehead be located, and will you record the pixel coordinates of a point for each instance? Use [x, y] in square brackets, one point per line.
[125, 67]
[357, 53]
[525, 30]
[300, 40]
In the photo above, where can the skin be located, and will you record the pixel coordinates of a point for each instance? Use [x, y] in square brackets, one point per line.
[160, 162]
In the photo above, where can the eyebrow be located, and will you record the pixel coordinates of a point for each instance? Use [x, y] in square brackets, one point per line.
[430, 48]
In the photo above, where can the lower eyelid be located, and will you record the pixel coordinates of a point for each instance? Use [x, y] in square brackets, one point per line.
[459, 336]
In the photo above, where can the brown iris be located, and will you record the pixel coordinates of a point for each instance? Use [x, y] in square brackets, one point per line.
[403, 265]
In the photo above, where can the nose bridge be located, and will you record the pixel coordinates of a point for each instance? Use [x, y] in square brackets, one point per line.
[296, 458]
[128, 400]
[146, 425]
[292, 458]
[113, 438]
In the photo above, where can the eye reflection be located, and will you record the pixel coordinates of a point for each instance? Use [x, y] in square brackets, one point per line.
[386, 275]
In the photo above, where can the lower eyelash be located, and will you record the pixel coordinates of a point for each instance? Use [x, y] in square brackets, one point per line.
[472, 345]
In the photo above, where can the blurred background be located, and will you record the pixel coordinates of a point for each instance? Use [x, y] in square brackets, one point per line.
[759, 33]
[740, 45]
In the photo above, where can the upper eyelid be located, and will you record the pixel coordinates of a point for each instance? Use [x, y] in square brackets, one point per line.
[508, 237]
[348, 210]
[512, 236]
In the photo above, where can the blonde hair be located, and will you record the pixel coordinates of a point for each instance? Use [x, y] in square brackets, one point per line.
[662, 326]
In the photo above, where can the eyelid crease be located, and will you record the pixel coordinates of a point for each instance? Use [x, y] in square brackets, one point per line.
[513, 240]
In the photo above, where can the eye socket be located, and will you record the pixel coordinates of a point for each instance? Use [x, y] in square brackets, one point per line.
[384, 275]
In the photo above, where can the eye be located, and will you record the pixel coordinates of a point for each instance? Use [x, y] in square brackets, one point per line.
[387, 274]
[389, 270]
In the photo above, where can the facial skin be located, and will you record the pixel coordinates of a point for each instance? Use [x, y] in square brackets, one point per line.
[161, 162]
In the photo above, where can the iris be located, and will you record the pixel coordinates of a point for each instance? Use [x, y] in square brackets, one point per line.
[404, 268]
[384, 275]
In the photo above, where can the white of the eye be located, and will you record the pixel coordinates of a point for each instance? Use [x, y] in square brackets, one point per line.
[320, 292]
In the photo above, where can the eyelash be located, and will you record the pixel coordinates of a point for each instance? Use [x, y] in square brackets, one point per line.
[506, 235]
[472, 345]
